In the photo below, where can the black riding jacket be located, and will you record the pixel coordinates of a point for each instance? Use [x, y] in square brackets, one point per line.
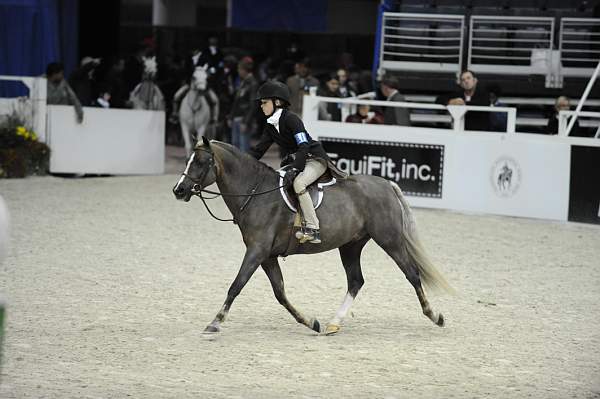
[293, 138]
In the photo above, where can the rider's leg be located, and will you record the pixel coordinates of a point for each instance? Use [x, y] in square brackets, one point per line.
[312, 171]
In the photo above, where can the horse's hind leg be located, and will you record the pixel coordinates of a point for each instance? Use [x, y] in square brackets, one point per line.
[350, 254]
[273, 271]
[408, 265]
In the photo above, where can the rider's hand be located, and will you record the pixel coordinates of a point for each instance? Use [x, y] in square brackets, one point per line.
[290, 175]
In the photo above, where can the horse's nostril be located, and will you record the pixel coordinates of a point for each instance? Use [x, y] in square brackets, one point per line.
[178, 190]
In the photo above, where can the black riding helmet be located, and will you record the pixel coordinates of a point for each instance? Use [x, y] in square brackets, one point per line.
[274, 89]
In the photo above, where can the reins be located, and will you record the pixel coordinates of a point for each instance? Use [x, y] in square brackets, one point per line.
[197, 191]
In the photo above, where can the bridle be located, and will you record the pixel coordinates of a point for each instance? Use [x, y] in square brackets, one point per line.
[197, 189]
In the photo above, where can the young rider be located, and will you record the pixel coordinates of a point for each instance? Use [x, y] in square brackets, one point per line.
[310, 159]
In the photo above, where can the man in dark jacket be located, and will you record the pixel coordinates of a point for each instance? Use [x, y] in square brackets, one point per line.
[243, 110]
[311, 161]
[472, 94]
[394, 115]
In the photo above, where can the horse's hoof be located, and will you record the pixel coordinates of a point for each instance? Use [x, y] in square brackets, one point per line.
[332, 329]
[440, 321]
[210, 329]
[316, 326]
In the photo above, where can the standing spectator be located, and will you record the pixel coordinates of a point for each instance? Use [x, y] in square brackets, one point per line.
[299, 85]
[394, 115]
[330, 111]
[470, 94]
[562, 103]
[82, 79]
[243, 110]
[346, 90]
[58, 90]
[113, 83]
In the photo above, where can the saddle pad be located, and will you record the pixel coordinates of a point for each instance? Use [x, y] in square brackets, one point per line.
[315, 190]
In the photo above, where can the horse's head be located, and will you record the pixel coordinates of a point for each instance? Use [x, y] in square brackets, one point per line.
[200, 172]
[150, 68]
[199, 78]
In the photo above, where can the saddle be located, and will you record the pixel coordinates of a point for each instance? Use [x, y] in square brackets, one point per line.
[315, 190]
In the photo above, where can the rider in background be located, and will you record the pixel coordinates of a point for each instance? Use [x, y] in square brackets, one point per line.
[310, 159]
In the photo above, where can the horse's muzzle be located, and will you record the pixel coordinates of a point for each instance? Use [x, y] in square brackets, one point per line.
[181, 194]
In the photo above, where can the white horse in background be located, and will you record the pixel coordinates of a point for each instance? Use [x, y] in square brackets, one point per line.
[198, 109]
[147, 95]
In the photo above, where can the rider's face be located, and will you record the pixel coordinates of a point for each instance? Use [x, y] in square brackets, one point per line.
[267, 107]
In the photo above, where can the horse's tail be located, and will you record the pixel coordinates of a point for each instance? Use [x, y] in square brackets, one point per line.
[430, 276]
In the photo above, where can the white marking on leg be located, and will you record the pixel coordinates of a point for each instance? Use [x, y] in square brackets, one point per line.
[185, 172]
[343, 310]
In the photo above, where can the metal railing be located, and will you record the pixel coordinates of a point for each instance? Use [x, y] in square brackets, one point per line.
[510, 45]
[579, 45]
[591, 119]
[457, 112]
[422, 42]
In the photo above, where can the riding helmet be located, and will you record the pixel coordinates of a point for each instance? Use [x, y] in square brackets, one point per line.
[274, 89]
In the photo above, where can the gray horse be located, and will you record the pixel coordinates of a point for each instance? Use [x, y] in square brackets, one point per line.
[147, 94]
[195, 112]
[354, 211]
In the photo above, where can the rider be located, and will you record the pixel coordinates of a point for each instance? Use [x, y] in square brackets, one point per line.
[287, 130]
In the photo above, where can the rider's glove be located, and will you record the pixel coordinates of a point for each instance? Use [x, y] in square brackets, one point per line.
[290, 175]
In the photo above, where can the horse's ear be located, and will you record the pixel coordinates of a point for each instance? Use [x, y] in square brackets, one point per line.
[206, 142]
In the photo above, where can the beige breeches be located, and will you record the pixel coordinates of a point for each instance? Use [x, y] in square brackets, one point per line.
[312, 171]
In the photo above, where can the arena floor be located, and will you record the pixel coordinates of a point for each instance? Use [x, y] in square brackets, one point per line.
[109, 283]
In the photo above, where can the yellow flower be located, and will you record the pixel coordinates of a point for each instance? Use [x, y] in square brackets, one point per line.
[26, 135]
[33, 137]
[21, 130]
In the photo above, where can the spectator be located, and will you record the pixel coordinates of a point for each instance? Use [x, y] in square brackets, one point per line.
[330, 111]
[103, 100]
[364, 115]
[470, 95]
[299, 85]
[562, 103]
[345, 87]
[394, 115]
[243, 110]
[114, 83]
[58, 90]
[82, 78]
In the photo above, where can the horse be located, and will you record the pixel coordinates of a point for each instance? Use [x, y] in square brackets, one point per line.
[147, 94]
[354, 211]
[195, 112]
[504, 178]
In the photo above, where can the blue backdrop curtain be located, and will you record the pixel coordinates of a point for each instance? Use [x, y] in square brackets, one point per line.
[385, 6]
[279, 15]
[34, 33]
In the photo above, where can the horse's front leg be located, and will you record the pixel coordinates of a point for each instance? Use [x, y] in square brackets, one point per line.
[185, 132]
[273, 271]
[252, 259]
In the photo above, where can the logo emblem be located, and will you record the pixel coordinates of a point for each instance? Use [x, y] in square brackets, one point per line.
[505, 177]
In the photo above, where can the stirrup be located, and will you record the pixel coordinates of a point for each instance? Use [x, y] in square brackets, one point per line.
[310, 235]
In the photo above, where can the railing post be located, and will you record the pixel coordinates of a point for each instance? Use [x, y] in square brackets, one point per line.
[583, 98]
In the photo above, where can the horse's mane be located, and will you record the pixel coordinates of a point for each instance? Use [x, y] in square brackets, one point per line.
[246, 158]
